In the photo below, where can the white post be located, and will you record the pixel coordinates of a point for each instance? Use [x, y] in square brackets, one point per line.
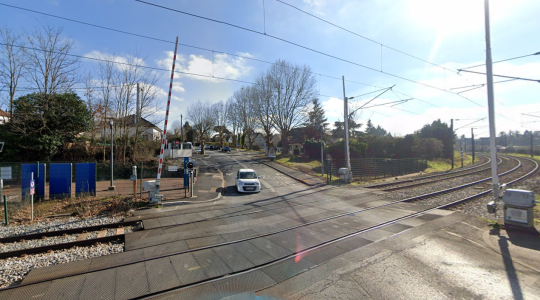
[32, 199]
[491, 108]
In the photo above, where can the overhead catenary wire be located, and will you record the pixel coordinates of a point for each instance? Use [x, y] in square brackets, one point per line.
[537, 53]
[366, 38]
[470, 123]
[181, 44]
[305, 47]
[503, 76]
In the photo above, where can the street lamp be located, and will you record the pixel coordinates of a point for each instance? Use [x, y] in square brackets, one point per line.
[111, 188]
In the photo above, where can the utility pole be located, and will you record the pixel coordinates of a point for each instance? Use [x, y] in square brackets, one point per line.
[111, 188]
[346, 126]
[322, 152]
[472, 144]
[532, 152]
[452, 130]
[138, 112]
[491, 108]
[181, 129]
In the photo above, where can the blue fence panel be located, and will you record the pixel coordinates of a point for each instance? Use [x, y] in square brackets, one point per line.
[85, 179]
[59, 181]
[26, 176]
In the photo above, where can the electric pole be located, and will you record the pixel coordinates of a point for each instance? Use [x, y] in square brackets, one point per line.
[491, 108]
[472, 144]
[452, 130]
[181, 129]
[346, 126]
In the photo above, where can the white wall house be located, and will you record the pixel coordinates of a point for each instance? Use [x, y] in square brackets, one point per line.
[4, 117]
[127, 126]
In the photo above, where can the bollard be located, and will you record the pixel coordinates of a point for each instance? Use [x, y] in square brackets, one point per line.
[135, 181]
[5, 210]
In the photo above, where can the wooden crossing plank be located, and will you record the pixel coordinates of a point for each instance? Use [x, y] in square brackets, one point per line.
[82, 236]
[102, 233]
[120, 230]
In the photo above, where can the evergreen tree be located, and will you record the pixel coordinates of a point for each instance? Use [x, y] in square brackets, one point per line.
[316, 119]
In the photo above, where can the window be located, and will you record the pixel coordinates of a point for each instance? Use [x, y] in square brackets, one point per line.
[248, 175]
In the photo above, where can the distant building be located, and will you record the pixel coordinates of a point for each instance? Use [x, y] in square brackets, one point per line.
[148, 131]
[4, 117]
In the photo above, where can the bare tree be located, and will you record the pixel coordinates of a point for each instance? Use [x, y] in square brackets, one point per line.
[51, 68]
[263, 96]
[233, 118]
[11, 62]
[245, 107]
[177, 128]
[200, 114]
[220, 115]
[294, 87]
[94, 106]
[106, 84]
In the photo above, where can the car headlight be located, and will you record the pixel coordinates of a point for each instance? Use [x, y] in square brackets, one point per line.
[256, 183]
[240, 183]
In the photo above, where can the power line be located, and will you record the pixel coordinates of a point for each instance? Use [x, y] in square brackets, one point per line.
[304, 47]
[172, 42]
[133, 65]
[503, 76]
[537, 53]
[366, 38]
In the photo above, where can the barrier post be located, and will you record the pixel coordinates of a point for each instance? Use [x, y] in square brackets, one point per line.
[5, 210]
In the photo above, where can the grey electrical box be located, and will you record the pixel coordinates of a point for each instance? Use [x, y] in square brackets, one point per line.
[521, 198]
[519, 208]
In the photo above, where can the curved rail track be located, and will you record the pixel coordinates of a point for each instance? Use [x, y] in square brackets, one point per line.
[308, 244]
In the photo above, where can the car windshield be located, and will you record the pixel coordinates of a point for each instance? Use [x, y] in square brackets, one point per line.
[248, 175]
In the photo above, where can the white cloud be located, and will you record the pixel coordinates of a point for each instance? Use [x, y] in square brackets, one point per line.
[178, 87]
[121, 61]
[222, 65]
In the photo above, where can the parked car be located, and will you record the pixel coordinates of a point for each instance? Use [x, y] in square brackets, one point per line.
[217, 148]
[198, 150]
[207, 147]
[226, 149]
[247, 181]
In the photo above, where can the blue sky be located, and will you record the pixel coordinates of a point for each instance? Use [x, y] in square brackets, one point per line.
[450, 34]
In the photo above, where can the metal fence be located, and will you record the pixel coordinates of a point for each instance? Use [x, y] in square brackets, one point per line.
[377, 168]
[17, 189]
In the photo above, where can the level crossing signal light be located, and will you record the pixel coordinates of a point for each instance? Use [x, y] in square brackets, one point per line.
[190, 165]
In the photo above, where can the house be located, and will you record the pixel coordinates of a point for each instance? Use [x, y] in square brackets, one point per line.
[4, 117]
[127, 125]
[260, 140]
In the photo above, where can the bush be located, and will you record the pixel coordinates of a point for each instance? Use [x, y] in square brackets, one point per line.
[256, 147]
[296, 151]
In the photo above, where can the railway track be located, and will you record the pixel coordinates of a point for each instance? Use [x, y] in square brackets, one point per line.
[446, 174]
[81, 236]
[436, 179]
[308, 235]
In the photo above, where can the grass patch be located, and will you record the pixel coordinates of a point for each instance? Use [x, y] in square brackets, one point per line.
[442, 165]
[82, 207]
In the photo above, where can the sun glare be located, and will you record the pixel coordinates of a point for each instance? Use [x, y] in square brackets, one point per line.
[447, 17]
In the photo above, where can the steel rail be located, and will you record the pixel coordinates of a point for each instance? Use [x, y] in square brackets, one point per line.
[427, 176]
[490, 190]
[255, 237]
[445, 191]
[43, 249]
[436, 180]
[35, 236]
